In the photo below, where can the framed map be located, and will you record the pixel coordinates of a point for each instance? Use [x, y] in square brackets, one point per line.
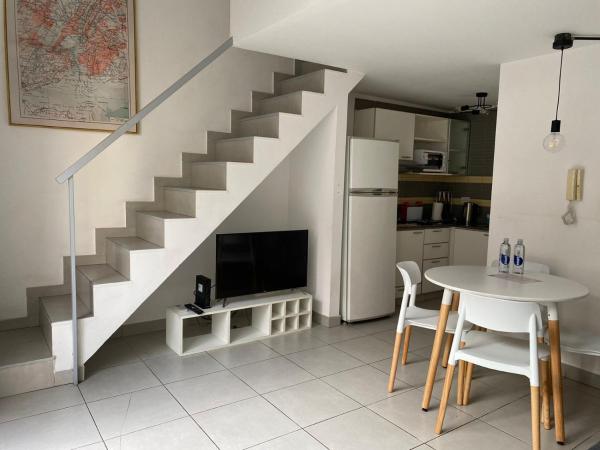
[71, 63]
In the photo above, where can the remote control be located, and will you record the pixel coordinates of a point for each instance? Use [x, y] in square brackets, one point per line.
[194, 308]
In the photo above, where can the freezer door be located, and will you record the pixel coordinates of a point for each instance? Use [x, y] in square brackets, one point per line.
[373, 164]
[371, 257]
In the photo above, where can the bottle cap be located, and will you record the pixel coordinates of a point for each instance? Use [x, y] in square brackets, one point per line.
[520, 241]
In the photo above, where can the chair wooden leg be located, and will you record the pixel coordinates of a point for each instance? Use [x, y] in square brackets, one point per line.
[467, 385]
[535, 418]
[394, 366]
[444, 401]
[407, 333]
[447, 347]
[545, 378]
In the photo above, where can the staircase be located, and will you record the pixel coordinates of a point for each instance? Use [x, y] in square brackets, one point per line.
[133, 261]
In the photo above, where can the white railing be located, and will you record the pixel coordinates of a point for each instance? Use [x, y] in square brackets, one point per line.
[69, 173]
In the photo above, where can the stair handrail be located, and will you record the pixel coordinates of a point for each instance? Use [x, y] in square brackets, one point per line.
[69, 173]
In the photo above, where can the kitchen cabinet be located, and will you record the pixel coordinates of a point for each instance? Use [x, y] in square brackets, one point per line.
[469, 247]
[426, 286]
[409, 247]
[388, 124]
[458, 146]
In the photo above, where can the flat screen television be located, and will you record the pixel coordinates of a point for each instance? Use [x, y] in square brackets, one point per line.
[251, 263]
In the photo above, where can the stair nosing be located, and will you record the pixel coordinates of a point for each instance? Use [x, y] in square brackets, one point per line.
[240, 138]
[149, 214]
[219, 163]
[273, 114]
[192, 189]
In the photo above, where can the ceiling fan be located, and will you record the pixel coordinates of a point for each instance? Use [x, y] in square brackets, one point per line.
[480, 108]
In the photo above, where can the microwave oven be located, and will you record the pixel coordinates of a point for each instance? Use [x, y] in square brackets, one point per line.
[431, 160]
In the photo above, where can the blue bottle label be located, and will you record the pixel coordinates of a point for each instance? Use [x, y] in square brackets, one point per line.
[518, 260]
[504, 259]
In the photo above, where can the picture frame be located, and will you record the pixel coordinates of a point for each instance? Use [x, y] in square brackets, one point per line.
[71, 64]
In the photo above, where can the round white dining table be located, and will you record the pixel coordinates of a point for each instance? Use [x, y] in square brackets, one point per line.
[544, 289]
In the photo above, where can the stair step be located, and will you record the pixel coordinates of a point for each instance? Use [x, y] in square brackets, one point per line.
[313, 81]
[58, 308]
[209, 175]
[119, 249]
[101, 274]
[182, 200]
[26, 362]
[237, 149]
[264, 125]
[290, 103]
[150, 225]
[133, 243]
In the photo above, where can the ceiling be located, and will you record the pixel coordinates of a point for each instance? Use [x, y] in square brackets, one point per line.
[428, 52]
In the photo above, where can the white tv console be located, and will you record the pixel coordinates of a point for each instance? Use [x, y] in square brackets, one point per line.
[272, 314]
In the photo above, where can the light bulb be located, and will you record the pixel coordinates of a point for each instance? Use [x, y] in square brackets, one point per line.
[555, 141]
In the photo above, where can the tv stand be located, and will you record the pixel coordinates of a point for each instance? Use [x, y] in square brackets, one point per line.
[273, 314]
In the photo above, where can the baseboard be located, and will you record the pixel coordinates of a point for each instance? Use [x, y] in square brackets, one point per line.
[327, 321]
[582, 376]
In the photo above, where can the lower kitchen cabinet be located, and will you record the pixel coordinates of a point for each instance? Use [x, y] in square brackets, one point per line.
[426, 286]
[409, 247]
[469, 247]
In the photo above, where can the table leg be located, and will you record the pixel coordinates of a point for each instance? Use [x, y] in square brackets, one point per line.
[437, 346]
[556, 372]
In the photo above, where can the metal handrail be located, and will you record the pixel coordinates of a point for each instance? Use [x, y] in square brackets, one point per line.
[69, 173]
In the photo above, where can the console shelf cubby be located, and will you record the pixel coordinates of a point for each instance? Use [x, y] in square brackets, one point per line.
[268, 315]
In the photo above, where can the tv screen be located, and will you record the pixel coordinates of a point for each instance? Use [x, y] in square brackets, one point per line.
[250, 263]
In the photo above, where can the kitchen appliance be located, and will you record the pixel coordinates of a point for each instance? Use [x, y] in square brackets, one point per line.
[371, 197]
[436, 211]
[469, 213]
[431, 160]
[411, 213]
[445, 198]
[251, 263]
[202, 292]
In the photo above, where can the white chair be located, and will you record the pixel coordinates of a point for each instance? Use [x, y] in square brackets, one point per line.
[501, 352]
[411, 315]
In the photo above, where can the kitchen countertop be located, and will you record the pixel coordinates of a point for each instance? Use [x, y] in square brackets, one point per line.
[417, 226]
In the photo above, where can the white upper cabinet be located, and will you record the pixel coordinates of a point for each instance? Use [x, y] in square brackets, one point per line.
[387, 124]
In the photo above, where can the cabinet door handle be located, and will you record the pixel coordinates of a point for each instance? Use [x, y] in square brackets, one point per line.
[417, 232]
[435, 246]
[436, 231]
[436, 262]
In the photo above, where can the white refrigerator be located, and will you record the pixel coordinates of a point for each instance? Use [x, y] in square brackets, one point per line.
[368, 267]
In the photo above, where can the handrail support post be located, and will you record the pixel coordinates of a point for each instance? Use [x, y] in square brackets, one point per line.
[71, 183]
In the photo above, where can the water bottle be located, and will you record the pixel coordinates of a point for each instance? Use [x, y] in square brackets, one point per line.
[504, 260]
[519, 258]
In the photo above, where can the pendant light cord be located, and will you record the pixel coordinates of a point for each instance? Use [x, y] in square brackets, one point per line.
[559, 80]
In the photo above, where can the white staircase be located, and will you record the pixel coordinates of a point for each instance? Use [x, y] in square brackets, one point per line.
[160, 235]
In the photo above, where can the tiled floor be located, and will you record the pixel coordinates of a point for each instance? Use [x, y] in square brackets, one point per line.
[323, 388]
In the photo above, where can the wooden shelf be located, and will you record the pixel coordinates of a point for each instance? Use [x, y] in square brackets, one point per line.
[424, 139]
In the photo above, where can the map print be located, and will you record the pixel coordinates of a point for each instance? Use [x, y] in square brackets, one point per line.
[71, 64]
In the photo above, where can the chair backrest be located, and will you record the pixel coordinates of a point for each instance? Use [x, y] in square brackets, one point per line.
[500, 315]
[411, 277]
[530, 267]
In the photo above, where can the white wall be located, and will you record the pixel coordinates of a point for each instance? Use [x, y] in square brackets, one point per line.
[171, 38]
[528, 195]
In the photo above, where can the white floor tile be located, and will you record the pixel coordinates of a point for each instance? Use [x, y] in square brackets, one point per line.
[243, 424]
[298, 440]
[361, 429]
[581, 413]
[209, 391]
[239, 355]
[171, 367]
[367, 349]
[364, 384]
[132, 412]
[117, 380]
[37, 402]
[114, 352]
[96, 446]
[294, 342]
[181, 434]
[414, 372]
[475, 436]
[149, 345]
[336, 334]
[324, 361]
[63, 429]
[376, 326]
[404, 410]
[311, 402]
[272, 374]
